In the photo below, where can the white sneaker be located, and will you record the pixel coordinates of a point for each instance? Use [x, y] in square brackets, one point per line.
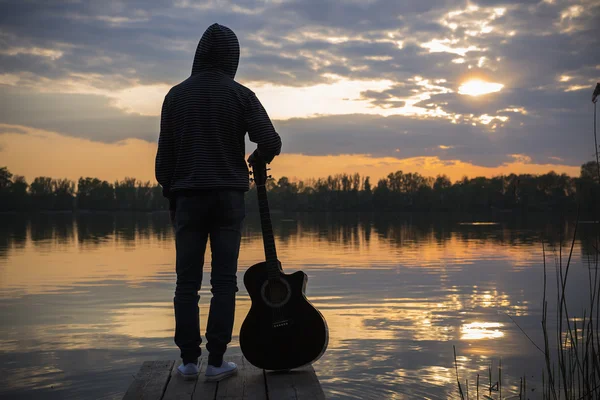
[215, 374]
[189, 371]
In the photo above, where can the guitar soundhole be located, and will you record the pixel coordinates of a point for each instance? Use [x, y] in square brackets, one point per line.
[276, 293]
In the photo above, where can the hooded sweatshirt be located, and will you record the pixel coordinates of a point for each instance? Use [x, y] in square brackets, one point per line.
[204, 120]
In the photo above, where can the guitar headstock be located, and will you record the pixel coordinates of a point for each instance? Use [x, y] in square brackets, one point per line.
[259, 170]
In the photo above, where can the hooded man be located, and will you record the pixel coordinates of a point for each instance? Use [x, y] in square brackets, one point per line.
[201, 167]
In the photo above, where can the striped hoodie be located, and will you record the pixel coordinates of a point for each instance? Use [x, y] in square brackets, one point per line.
[204, 120]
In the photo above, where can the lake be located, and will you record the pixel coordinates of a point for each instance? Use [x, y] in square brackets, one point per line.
[85, 299]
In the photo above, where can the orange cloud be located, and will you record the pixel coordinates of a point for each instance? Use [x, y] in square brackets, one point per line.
[36, 153]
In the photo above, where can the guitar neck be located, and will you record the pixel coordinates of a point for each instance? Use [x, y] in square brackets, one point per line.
[267, 227]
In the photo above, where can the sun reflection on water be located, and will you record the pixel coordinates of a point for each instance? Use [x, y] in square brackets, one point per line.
[481, 330]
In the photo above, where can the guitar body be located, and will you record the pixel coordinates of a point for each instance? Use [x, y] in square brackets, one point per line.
[282, 330]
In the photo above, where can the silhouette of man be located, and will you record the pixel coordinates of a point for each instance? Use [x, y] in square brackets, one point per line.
[201, 168]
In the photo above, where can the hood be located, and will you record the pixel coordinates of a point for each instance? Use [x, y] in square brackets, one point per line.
[219, 48]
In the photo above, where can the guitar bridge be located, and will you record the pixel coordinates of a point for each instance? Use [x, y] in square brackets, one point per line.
[282, 324]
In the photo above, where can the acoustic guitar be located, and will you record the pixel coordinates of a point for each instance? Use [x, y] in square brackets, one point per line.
[282, 330]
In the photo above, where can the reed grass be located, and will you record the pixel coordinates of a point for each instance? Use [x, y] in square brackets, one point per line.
[571, 368]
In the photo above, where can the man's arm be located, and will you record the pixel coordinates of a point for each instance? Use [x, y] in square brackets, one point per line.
[165, 157]
[260, 129]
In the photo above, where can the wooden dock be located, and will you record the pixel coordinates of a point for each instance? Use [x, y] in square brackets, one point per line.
[159, 380]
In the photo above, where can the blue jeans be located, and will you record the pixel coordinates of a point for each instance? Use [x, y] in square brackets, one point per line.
[218, 214]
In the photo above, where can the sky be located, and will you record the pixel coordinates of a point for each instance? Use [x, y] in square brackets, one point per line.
[436, 87]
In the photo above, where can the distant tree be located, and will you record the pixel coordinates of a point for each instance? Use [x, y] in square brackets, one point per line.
[367, 185]
[159, 202]
[356, 182]
[126, 193]
[589, 187]
[19, 199]
[19, 187]
[94, 194]
[143, 196]
[365, 196]
[5, 179]
[64, 192]
[42, 193]
[442, 182]
[6, 201]
[13, 191]
[589, 171]
[381, 196]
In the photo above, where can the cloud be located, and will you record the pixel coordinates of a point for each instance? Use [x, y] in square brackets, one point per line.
[484, 134]
[81, 115]
[4, 128]
[53, 54]
[98, 70]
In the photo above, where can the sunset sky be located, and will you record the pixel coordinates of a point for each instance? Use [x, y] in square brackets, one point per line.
[461, 88]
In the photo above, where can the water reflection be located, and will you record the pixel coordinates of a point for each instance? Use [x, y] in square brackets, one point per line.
[481, 330]
[350, 230]
[88, 297]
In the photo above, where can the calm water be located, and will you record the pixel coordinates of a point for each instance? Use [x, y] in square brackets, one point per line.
[85, 300]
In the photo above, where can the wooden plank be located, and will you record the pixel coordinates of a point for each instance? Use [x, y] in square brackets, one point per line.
[150, 381]
[232, 387]
[298, 384]
[179, 388]
[254, 382]
[204, 390]
[156, 378]
[280, 385]
[307, 384]
[248, 384]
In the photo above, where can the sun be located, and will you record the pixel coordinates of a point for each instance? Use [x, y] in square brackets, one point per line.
[477, 87]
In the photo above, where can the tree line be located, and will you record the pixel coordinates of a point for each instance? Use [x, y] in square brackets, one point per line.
[401, 191]
[46, 193]
[398, 191]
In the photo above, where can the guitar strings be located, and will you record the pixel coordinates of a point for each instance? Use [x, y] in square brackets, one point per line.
[276, 312]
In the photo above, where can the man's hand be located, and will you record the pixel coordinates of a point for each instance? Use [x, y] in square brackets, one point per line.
[254, 158]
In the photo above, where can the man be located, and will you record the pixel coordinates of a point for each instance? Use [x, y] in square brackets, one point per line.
[201, 168]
